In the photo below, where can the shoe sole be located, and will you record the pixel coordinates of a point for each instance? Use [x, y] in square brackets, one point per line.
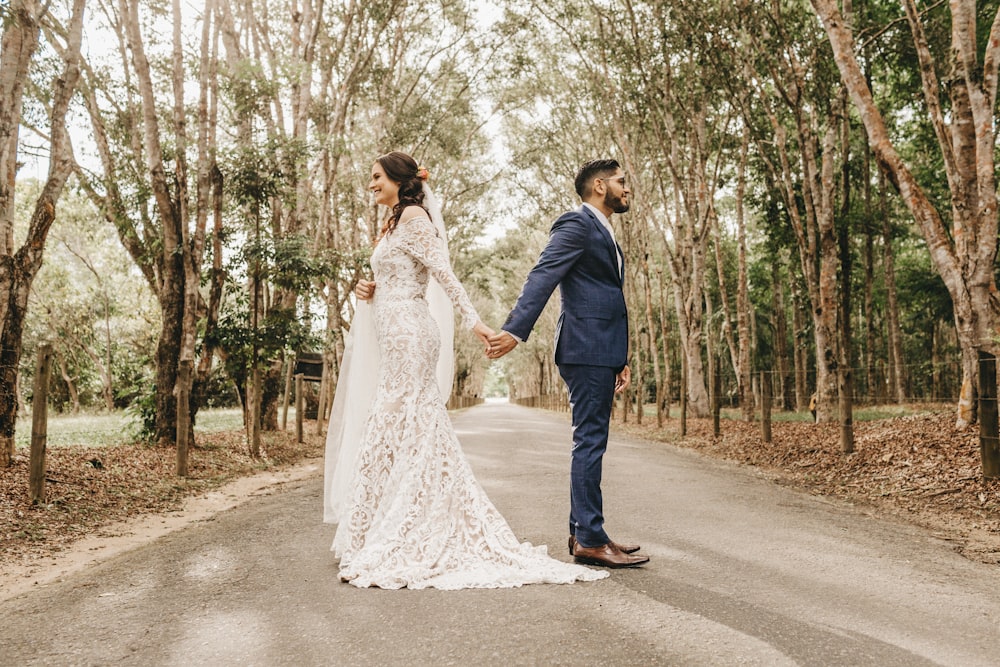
[603, 563]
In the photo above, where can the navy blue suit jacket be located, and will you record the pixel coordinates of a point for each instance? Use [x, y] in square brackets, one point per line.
[582, 259]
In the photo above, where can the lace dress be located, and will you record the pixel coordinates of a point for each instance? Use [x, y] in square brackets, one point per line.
[417, 517]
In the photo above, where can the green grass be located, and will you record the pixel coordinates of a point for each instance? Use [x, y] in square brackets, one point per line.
[104, 429]
[220, 419]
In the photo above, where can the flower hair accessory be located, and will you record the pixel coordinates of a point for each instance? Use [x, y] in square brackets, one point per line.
[423, 174]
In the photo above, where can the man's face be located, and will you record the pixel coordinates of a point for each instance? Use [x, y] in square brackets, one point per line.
[616, 192]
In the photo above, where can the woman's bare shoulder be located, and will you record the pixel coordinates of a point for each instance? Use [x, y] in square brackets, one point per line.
[411, 213]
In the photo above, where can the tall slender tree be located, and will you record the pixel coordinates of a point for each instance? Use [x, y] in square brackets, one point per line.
[19, 266]
[963, 119]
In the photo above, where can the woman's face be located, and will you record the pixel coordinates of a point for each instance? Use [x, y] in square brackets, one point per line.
[385, 190]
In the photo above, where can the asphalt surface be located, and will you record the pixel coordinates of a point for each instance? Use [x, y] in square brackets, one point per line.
[743, 572]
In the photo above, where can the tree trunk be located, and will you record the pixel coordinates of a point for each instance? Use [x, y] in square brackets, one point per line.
[695, 390]
[823, 292]
[744, 369]
[19, 42]
[651, 350]
[170, 211]
[800, 351]
[712, 356]
[809, 202]
[726, 327]
[688, 279]
[17, 48]
[74, 395]
[845, 374]
[665, 347]
[896, 362]
[636, 386]
[872, 381]
[18, 270]
[936, 362]
[874, 384]
[786, 385]
[11, 286]
[208, 195]
[168, 350]
[965, 255]
[692, 182]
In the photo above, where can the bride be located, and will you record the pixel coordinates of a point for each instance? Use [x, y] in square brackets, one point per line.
[409, 511]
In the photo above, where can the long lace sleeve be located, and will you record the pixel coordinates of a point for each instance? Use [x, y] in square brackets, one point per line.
[419, 239]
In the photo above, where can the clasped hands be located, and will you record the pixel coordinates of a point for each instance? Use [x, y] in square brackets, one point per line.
[495, 344]
[500, 344]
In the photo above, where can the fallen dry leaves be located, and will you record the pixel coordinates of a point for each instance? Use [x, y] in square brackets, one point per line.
[918, 466]
[89, 488]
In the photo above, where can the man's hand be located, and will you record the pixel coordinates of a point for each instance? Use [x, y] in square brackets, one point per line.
[623, 380]
[500, 344]
[365, 289]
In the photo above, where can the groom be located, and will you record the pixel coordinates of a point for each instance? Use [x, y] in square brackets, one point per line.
[583, 259]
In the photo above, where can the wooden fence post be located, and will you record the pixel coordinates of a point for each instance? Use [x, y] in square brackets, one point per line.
[300, 407]
[989, 416]
[765, 406]
[183, 393]
[288, 389]
[253, 421]
[39, 425]
[845, 403]
[716, 399]
[684, 395]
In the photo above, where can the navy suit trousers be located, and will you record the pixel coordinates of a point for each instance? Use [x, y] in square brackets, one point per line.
[591, 394]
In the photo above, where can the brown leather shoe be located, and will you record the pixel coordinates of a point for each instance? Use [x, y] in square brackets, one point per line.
[625, 548]
[606, 556]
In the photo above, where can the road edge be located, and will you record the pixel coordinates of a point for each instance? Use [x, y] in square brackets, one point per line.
[120, 537]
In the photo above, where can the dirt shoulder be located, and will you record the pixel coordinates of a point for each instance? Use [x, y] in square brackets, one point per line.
[102, 501]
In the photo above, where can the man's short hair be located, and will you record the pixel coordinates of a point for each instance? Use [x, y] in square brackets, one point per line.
[591, 170]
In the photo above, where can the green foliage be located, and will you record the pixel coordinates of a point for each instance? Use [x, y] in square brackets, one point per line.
[253, 174]
[88, 301]
[502, 115]
[249, 89]
[141, 414]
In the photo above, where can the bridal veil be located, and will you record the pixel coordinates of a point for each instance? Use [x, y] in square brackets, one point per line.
[358, 379]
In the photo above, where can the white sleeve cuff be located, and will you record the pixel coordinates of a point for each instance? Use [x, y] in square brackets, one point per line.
[517, 338]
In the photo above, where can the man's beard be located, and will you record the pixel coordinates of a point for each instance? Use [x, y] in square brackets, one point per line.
[615, 203]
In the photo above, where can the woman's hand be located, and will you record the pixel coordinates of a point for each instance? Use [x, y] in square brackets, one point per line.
[483, 332]
[365, 289]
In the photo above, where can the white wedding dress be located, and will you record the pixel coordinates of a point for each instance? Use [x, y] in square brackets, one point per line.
[415, 516]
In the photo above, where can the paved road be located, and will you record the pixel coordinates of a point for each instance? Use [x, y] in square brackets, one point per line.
[743, 573]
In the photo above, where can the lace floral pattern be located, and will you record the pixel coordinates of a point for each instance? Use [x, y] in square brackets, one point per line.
[417, 516]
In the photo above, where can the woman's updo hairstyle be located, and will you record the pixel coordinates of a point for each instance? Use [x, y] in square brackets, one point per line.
[402, 169]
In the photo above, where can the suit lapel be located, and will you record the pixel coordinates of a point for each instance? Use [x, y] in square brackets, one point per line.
[613, 247]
